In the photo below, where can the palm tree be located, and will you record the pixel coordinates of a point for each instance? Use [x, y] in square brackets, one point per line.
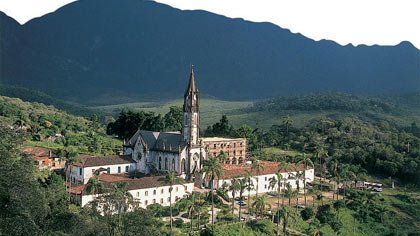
[222, 156]
[249, 186]
[306, 161]
[199, 204]
[212, 170]
[283, 167]
[334, 167]
[260, 205]
[234, 187]
[321, 153]
[242, 186]
[94, 186]
[120, 201]
[257, 166]
[289, 192]
[315, 228]
[273, 182]
[193, 207]
[287, 121]
[284, 215]
[298, 177]
[171, 178]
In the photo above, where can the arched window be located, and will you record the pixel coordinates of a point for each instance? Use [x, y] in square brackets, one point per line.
[241, 160]
[160, 163]
[173, 164]
[234, 160]
[183, 166]
[166, 163]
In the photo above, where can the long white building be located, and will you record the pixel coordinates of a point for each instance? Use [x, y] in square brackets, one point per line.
[263, 178]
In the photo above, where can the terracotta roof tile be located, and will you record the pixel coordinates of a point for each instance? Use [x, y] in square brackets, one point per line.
[91, 161]
[232, 171]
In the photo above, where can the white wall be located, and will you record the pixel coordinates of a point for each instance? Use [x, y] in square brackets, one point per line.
[179, 191]
[88, 171]
[264, 183]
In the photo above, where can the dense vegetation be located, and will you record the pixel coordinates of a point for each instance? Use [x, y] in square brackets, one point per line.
[49, 127]
[129, 121]
[343, 148]
[29, 95]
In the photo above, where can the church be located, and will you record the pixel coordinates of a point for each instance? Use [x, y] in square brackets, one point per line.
[181, 152]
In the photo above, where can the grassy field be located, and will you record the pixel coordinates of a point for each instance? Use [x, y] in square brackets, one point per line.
[211, 110]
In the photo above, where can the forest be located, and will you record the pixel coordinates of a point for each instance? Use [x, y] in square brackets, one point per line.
[344, 148]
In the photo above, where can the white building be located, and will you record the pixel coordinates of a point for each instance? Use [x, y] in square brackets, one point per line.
[269, 171]
[181, 152]
[145, 190]
[88, 166]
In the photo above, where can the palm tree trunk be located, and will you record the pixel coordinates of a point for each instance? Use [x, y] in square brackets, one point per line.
[212, 202]
[191, 222]
[233, 203]
[240, 207]
[278, 208]
[249, 202]
[170, 209]
[198, 218]
[304, 187]
[257, 185]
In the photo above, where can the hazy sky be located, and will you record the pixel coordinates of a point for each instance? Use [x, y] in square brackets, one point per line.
[384, 22]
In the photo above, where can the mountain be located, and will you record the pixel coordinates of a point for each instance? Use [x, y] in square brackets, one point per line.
[97, 51]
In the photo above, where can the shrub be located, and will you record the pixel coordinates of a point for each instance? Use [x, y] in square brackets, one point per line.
[307, 213]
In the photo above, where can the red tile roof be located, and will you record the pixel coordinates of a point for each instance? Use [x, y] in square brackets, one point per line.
[270, 167]
[133, 184]
[38, 151]
[91, 161]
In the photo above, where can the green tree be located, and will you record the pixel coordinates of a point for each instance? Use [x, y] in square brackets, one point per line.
[306, 161]
[261, 205]
[173, 119]
[171, 178]
[212, 171]
[287, 122]
[234, 187]
[257, 166]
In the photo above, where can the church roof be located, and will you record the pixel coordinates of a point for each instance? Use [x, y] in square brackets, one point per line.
[159, 141]
[92, 161]
[191, 84]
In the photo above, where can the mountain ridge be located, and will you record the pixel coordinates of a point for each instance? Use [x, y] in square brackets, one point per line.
[144, 49]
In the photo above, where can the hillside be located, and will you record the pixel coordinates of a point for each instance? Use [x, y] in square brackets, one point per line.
[47, 126]
[115, 51]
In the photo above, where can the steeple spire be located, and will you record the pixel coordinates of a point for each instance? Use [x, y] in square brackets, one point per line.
[191, 84]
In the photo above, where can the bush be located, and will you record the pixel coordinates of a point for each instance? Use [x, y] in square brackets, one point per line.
[307, 213]
[178, 223]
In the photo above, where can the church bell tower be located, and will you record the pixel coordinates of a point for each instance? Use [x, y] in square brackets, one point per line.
[191, 112]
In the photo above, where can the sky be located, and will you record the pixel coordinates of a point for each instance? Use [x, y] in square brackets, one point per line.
[382, 22]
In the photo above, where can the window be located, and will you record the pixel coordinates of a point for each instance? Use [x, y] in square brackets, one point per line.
[176, 189]
[266, 178]
[80, 169]
[161, 201]
[126, 168]
[138, 194]
[154, 201]
[265, 186]
[154, 192]
[161, 191]
[234, 145]
[169, 199]
[145, 203]
[119, 169]
[146, 193]
[185, 188]
[214, 145]
[108, 170]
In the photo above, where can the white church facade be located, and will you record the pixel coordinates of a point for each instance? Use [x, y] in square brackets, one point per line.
[181, 152]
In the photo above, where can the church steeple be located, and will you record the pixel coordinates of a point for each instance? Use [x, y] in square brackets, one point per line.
[191, 94]
[191, 111]
[191, 84]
